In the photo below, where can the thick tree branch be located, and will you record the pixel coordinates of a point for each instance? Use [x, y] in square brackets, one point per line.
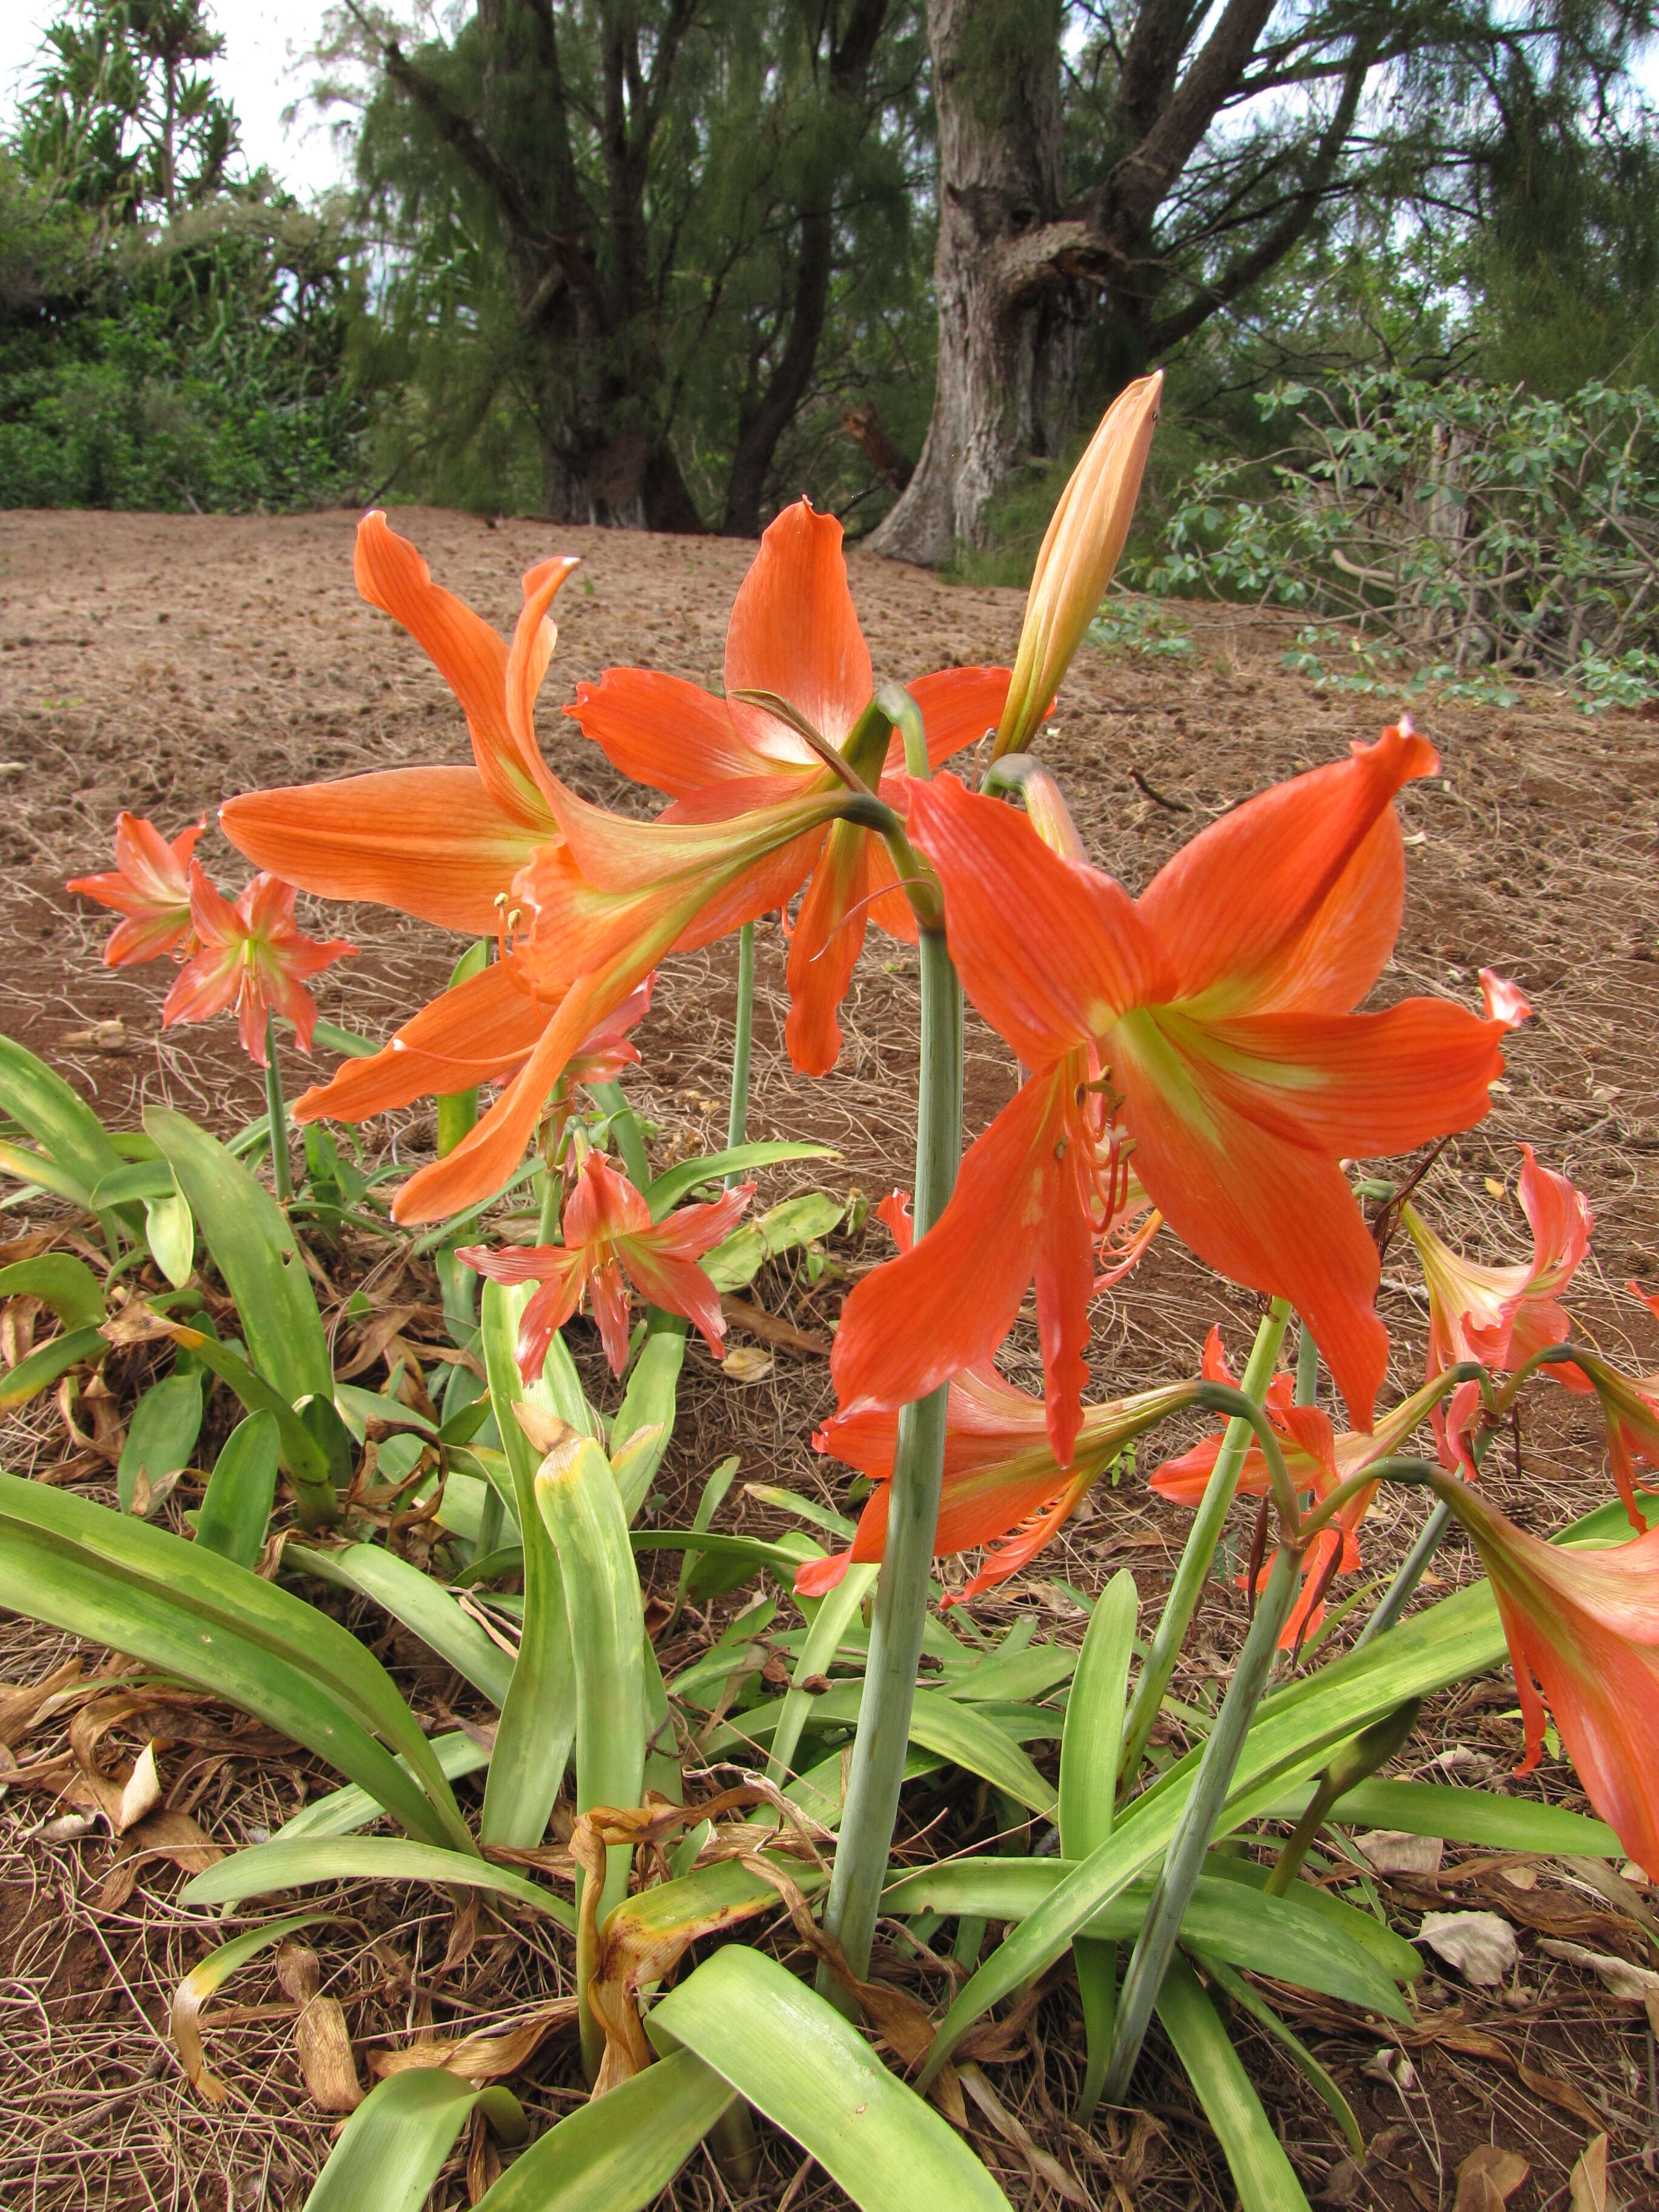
[1277, 241]
[1139, 182]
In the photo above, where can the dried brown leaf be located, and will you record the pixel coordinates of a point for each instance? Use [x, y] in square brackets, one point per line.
[1488, 2177]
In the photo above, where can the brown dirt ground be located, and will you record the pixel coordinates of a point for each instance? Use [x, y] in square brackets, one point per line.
[161, 663]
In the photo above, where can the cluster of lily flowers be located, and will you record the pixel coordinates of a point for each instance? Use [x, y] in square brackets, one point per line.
[1192, 1057]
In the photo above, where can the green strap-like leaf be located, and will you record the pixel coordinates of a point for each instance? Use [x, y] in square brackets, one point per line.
[1094, 1720]
[619, 2153]
[420, 1603]
[1262, 2174]
[182, 1607]
[241, 1490]
[960, 1733]
[61, 1281]
[1301, 2058]
[302, 1457]
[391, 2149]
[66, 1128]
[253, 1250]
[1279, 1936]
[288, 1864]
[1461, 1816]
[538, 1726]
[840, 1608]
[577, 1496]
[794, 2058]
[166, 1423]
[46, 1362]
[647, 1411]
[669, 1190]
[342, 1811]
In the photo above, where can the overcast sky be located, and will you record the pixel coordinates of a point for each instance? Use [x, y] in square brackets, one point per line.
[261, 72]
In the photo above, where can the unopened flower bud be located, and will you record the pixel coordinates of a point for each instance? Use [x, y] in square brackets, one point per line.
[1078, 555]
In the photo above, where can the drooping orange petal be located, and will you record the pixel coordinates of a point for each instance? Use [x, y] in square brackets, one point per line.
[431, 841]
[661, 731]
[533, 639]
[959, 706]
[1083, 954]
[824, 948]
[1292, 899]
[794, 631]
[475, 1032]
[1018, 1213]
[470, 656]
[490, 1151]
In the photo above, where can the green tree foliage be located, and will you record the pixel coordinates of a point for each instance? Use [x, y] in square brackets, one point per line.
[639, 261]
[120, 119]
[172, 334]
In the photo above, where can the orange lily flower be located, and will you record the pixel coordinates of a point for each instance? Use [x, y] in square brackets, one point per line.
[1317, 1459]
[150, 885]
[1629, 1407]
[1499, 1317]
[441, 843]
[587, 902]
[1583, 1635]
[609, 1243]
[251, 958]
[1001, 1478]
[1216, 1010]
[794, 633]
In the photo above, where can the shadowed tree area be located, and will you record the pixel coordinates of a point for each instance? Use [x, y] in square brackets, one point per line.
[666, 263]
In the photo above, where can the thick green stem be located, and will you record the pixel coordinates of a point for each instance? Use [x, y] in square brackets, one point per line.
[900, 1609]
[1373, 1747]
[1184, 1860]
[1412, 1567]
[1202, 1538]
[625, 1128]
[1307, 1369]
[282, 1167]
[737, 1125]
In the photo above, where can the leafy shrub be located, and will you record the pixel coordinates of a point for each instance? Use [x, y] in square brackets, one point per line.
[1473, 532]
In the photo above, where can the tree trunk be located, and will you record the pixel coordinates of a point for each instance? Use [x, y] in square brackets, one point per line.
[1008, 348]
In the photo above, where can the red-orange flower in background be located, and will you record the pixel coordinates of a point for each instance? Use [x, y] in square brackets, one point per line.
[609, 1243]
[1213, 1017]
[1003, 1486]
[1583, 1635]
[150, 885]
[1316, 1458]
[794, 632]
[251, 957]
[1499, 1317]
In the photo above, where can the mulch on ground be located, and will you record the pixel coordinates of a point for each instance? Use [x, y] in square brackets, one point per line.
[162, 663]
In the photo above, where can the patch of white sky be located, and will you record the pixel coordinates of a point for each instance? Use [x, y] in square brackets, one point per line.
[262, 72]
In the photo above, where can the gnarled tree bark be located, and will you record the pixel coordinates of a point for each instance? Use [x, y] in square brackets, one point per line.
[1018, 267]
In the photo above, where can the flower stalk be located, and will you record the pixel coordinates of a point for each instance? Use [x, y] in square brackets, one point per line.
[282, 1167]
[1185, 1859]
[899, 1610]
[737, 1125]
[1201, 1540]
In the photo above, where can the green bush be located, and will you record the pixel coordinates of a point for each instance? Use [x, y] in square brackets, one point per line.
[1471, 532]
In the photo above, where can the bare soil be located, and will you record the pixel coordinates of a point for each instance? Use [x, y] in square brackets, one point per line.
[162, 663]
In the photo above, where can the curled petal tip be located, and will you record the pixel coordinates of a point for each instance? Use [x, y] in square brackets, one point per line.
[1504, 1001]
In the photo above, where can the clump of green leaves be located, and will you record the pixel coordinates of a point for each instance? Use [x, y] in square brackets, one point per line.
[1474, 533]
